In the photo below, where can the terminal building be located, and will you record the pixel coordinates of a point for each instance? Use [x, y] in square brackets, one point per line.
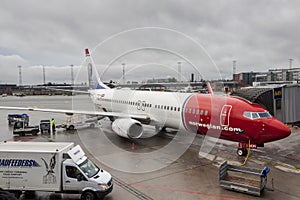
[273, 75]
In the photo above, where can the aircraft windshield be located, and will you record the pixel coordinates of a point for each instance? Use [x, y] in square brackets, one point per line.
[89, 168]
[257, 115]
[264, 115]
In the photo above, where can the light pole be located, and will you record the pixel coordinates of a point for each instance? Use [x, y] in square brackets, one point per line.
[179, 72]
[20, 75]
[44, 75]
[123, 73]
[72, 75]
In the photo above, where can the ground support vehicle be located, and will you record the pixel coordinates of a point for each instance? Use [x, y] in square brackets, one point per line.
[53, 167]
[242, 179]
[12, 118]
[21, 128]
[45, 126]
[75, 122]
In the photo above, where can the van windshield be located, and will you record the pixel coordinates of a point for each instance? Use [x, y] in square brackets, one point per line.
[89, 168]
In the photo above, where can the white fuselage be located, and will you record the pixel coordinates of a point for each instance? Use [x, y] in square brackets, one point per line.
[164, 108]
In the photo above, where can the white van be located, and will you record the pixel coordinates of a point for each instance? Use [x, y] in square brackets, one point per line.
[53, 167]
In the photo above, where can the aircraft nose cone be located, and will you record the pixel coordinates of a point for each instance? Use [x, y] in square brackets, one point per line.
[279, 130]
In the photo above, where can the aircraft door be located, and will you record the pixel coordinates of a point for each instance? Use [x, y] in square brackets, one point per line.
[225, 115]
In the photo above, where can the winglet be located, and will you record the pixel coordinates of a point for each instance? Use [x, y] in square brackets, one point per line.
[209, 89]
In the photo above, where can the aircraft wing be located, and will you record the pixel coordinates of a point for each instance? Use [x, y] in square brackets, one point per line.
[85, 112]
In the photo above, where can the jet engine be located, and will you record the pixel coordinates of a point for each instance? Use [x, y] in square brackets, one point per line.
[128, 128]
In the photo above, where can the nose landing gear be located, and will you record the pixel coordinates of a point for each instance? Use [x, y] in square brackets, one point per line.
[243, 148]
[242, 152]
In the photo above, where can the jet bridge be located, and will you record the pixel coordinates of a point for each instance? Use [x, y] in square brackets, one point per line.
[282, 101]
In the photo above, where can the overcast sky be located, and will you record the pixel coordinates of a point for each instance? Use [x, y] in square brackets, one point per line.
[257, 34]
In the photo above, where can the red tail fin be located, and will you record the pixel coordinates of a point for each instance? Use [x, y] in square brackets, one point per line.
[87, 52]
[209, 89]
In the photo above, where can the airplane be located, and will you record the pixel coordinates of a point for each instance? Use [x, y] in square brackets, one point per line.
[224, 117]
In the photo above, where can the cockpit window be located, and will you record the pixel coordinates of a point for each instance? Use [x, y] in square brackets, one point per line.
[264, 115]
[257, 115]
[247, 115]
[254, 115]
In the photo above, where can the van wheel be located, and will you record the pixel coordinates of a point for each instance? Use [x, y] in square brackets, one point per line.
[17, 194]
[71, 127]
[29, 194]
[88, 196]
[5, 195]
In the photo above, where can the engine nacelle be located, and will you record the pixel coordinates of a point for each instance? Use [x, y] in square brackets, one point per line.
[128, 128]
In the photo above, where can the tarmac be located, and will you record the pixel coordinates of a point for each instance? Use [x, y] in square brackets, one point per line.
[141, 171]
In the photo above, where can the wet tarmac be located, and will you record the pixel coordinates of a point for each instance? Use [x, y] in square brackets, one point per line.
[190, 176]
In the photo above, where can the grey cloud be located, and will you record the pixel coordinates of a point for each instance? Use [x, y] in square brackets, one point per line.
[258, 34]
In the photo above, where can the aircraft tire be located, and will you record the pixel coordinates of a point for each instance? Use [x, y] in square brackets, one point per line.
[240, 152]
[245, 152]
[71, 127]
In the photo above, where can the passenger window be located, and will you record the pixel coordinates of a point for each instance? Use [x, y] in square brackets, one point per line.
[178, 109]
[171, 108]
[201, 112]
[206, 112]
[174, 108]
